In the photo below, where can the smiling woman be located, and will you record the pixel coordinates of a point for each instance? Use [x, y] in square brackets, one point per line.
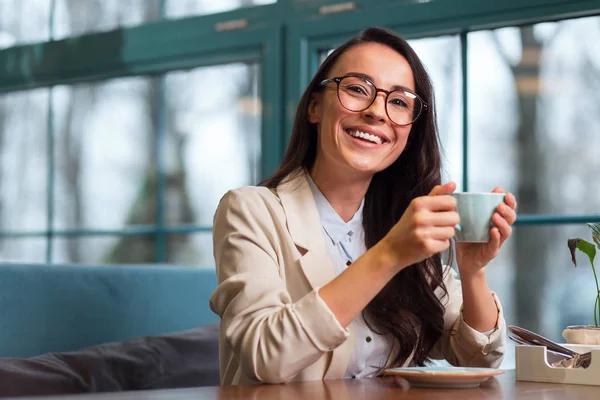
[333, 268]
[361, 108]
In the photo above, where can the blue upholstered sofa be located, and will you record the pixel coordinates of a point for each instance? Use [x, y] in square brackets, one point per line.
[57, 308]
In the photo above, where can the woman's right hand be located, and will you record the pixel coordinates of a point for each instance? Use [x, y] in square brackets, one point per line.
[424, 229]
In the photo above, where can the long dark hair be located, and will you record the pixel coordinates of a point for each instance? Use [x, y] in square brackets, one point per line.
[407, 307]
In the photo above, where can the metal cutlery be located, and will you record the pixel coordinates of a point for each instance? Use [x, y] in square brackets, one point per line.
[571, 359]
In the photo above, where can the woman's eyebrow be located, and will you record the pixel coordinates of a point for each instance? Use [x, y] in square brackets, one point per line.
[369, 77]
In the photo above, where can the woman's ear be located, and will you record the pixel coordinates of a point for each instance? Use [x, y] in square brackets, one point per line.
[314, 108]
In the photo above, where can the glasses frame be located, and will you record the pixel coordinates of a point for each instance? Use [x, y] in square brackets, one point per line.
[338, 79]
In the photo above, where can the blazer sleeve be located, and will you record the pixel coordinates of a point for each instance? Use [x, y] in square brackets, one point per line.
[460, 344]
[272, 337]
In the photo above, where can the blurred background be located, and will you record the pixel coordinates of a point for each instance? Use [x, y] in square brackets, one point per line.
[123, 122]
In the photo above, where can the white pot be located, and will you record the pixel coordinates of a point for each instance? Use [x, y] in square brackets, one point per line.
[582, 334]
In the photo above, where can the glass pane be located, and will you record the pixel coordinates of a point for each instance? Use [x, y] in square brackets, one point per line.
[214, 139]
[537, 284]
[194, 250]
[24, 160]
[186, 8]
[441, 57]
[105, 154]
[105, 250]
[534, 114]
[77, 17]
[24, 21]
[23, 250]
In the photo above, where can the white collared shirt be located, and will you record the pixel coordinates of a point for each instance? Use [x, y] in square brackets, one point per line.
[345, 242]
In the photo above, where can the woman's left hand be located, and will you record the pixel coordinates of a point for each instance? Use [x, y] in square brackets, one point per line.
[472, 257]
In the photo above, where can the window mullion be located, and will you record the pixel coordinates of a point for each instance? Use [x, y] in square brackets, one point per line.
[160, 148]
[50, 203]
[465, 114]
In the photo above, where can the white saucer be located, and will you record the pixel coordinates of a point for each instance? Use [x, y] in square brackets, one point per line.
[444, 377]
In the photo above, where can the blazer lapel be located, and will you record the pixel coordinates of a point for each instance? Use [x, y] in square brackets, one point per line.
[304, 225]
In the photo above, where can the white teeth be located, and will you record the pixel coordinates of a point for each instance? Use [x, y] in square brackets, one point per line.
[367, 136]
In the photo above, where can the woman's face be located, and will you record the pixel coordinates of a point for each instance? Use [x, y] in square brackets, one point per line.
[338, 127]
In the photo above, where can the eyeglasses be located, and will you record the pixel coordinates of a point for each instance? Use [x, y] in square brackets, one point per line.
[357, 93]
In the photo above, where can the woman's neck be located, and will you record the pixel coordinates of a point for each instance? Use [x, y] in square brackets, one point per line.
[342, 190]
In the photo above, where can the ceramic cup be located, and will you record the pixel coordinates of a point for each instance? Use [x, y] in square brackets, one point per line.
[475, 210]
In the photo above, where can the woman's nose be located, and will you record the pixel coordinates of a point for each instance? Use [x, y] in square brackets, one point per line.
[377, 108]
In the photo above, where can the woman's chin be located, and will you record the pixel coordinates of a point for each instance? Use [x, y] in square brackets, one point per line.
[365, 168]
[360, 163]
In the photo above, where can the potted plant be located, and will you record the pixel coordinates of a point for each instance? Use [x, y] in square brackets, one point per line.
[586, 334]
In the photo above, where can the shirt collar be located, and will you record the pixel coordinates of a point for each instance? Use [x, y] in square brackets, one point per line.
[332, 223]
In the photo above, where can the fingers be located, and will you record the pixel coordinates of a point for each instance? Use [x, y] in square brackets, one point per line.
[447, 188]
[434, 203]
[507, 208]
[507, 213]
[502, 226]
[439, 226]
[495, 241]
[495, 237]
[509, 199]
[441, 245]
[438, 199]
[442, 218]
[443, 233]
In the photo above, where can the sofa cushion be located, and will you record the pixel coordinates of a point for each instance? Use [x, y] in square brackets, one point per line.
[182, 359]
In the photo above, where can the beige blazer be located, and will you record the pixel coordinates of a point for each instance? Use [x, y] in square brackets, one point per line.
[270, 255]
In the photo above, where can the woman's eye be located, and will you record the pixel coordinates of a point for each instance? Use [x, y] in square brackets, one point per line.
[399, 102]
[356, 89]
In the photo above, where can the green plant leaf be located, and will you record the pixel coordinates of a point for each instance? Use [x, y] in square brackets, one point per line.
[595, 228]
[585, 247]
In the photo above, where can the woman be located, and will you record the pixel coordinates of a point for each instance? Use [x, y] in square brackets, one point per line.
[332, 269]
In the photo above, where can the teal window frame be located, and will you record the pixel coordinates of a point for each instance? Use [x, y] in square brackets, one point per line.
[286, 38]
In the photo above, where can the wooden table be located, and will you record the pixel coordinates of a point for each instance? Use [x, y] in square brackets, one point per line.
[501, 387]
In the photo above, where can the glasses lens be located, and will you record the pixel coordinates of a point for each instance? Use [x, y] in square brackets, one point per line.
[403, 107]
[356, 94]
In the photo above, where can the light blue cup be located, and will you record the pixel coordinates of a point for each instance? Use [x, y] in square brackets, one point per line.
[475, 211]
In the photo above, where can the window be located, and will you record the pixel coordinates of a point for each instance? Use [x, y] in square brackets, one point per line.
[441, 57]
[213, 124]
[24, 156]
[105, 154]
[534, 114]
[23, 178]
[122, 170]
[534, 118]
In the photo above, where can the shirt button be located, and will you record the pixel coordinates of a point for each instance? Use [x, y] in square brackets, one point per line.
[368, 339]
[348, 263]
